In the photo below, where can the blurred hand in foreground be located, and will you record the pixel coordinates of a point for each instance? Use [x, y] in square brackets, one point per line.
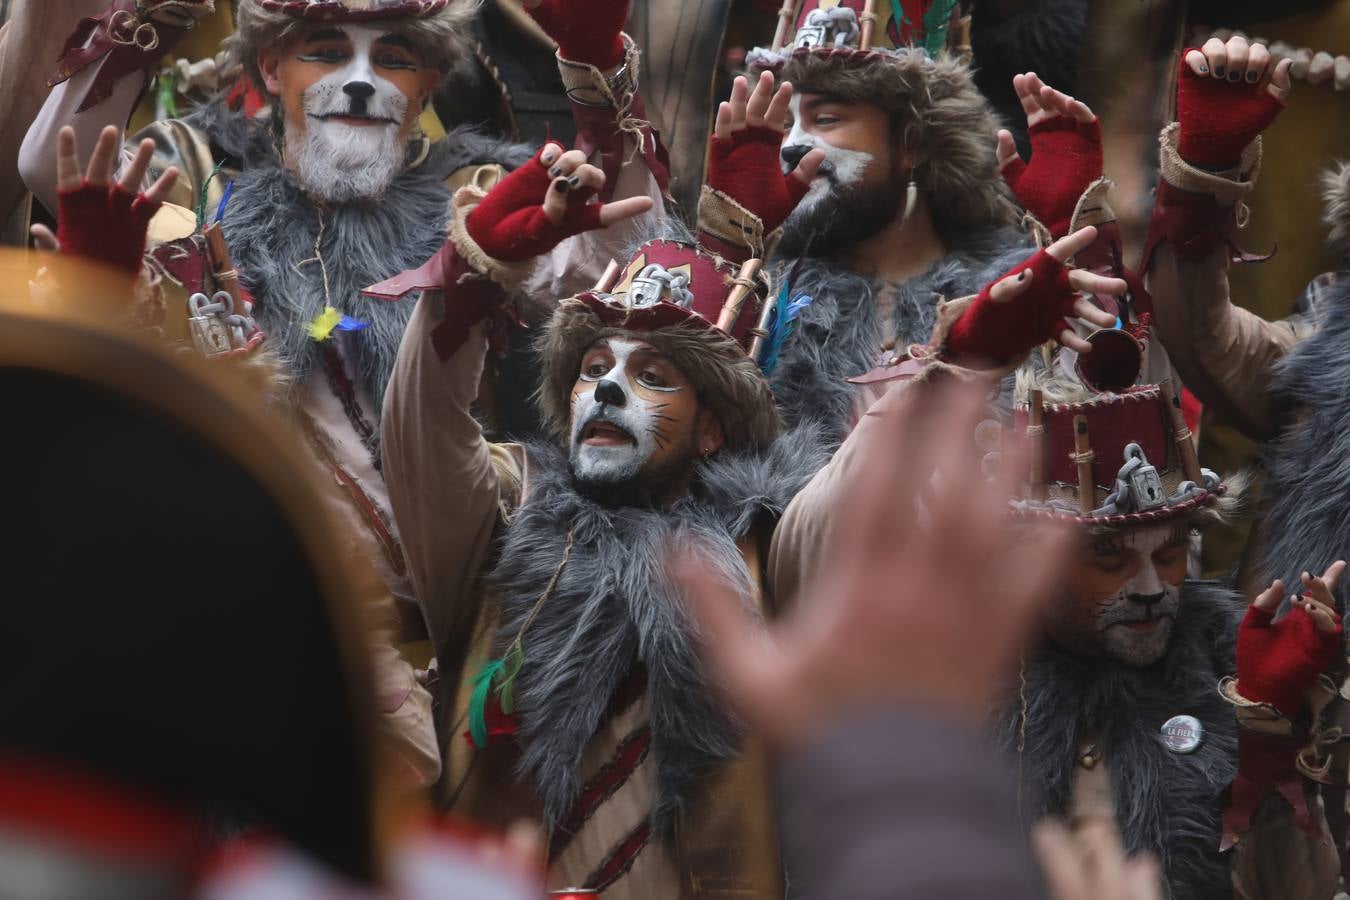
[929, 590]
[1090, 864]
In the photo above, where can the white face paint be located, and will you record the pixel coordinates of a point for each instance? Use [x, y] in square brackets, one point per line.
[334, 158]
[841, 169]
[616, 431]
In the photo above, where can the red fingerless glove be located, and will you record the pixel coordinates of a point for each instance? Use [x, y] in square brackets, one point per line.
[1277, 662]
[1219, 118]
[999, 332]
[105, 224]
[747, 168]
[586, 32]
[1066, 157]
[511, 225]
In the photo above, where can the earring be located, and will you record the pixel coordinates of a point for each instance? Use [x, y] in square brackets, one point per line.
[911, 199]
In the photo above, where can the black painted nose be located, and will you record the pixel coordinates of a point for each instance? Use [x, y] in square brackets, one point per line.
[1148, 599]
[359, 90]
[609, 392]
[793, 153]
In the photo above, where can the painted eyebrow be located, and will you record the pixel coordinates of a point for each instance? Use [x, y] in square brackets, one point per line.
[325, 34]
[397, 40]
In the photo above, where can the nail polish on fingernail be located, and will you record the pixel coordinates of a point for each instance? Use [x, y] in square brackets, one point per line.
[560, 187]
[1204, 69]
[1218, 71]
[1235, 75]
[555, 172]
[575, 181]
[548, 157]
[1251, 76]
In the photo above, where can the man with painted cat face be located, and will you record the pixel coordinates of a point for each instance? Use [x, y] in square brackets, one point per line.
[573, 686]
[320, 181]
[1152, 701]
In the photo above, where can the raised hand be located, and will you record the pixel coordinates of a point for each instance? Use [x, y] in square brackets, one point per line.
[1089, 863]
[543, 203]
[743, 157]
[586, 31]
[1028, 306]
[927, 594]
[1066, 153]
[1277, 662]
[1227, 94]
[99, 219]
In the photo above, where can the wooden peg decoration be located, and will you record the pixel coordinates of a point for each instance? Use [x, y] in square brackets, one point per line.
[869, 24]
[608, 278]
[787, 19]
[222, 265]
[743, 286]
[762, 329]
[1036, 440]
[1181, 433]
[1083, 456]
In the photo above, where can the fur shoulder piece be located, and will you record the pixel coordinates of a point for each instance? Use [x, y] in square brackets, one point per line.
[840, 333]
[614, 607]
[1167, 803]
[1307, 491]
[1336, 210]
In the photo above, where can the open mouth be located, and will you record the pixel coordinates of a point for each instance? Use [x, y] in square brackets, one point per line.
[605, 434]
[353, 119]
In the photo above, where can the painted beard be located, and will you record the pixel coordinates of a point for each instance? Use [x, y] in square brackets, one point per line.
[336, 162]
[839, 209]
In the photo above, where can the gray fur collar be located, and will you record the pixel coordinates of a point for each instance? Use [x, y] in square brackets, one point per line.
[614, 606]
[1307, 491]
[839, 335]
[271, 227]
[1166, 803]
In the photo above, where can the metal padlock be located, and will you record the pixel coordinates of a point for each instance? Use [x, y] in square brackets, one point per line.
[1145, 482]
[646, 291]
[206, 324]
[809, 37]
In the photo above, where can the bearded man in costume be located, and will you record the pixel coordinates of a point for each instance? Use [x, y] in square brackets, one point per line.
[901, 200]
[1152, 700]
[575, 695]
[329, 189]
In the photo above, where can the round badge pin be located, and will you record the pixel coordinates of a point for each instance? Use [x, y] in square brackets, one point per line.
[1183, 734]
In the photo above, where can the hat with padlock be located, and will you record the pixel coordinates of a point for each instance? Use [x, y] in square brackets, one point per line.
[862, 31]
[706, 315]
[1111, 460]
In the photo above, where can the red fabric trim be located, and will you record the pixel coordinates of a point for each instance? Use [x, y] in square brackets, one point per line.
[615, 773]
[346, 394]
[621, 859]
[84, 809]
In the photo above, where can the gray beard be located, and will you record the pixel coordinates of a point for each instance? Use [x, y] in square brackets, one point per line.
[357, 167]
[1132, 648]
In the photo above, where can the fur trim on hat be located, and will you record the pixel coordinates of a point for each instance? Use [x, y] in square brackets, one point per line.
[943, 119]
[726, 378]
[441, 38]
[1336, 210]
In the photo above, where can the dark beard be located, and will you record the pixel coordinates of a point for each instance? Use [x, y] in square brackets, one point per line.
[843, 217]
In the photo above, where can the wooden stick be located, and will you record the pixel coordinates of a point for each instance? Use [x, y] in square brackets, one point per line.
[1181, 433]
[869, 24]
[608, 278]
[787, 18]
[744, 286]
[222, 265]
[1082, 446]
[1036, 437]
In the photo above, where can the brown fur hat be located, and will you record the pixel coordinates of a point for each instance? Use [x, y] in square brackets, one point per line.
[726, 378]
[942, 119]
[441, 37]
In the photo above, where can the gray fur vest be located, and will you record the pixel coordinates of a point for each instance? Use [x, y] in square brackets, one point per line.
[1307, 492]
[1166, 803]
[615, 607]
[839, 335]
[271, 227]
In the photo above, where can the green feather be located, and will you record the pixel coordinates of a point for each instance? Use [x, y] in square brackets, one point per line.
[206, 187]
[482, 686]
[935, 24]
[513, 661]
[168, 99]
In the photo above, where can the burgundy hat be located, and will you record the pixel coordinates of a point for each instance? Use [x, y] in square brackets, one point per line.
[354, 10]
[703, 313]
[1115, 460]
